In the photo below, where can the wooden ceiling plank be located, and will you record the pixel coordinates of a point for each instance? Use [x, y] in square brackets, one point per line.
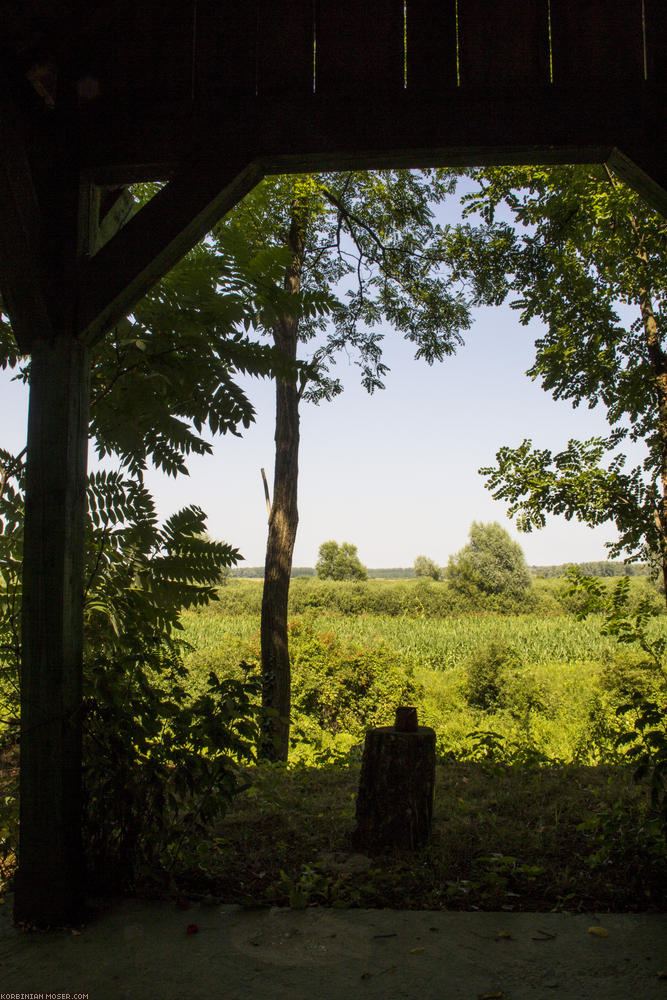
[503, 44]
[285, 54]
[226, 49]
[157, 43]
[430, 45]
[359, 47]
[155, 239]
[596, 42]
[655, 31]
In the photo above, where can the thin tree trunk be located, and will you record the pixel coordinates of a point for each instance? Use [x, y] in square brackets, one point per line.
[276, 674]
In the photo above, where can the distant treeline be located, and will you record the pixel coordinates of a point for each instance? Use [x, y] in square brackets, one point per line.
[603, 568]
[257, 572]
[600, 569]
[423, 597]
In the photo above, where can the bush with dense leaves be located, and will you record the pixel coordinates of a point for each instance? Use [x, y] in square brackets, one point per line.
[496, 678]
[424, 566]
[339, 562]
[159, 762]
[159, 766]
[346, 687]
[491, 564]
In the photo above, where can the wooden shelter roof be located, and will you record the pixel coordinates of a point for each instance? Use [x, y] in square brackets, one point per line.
[213, 95]
[306, 83]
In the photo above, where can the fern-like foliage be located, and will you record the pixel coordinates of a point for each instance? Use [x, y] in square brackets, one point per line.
[140, 575]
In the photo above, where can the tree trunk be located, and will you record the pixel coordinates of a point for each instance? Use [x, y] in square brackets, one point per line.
[276, 679]
[49, 885]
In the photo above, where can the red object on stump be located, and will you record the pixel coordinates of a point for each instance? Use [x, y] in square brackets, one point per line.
[396, 785]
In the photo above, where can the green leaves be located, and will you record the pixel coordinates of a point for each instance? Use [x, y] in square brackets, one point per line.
[534, 482]
[140, 575]
[372, 255]
[490, 564]
[339, 562]
[644, 741]
[424, 566]
[586, 257]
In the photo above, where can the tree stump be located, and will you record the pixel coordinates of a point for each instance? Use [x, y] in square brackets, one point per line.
[396, 785]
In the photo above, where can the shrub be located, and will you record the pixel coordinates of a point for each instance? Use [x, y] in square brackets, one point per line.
[490, 564]
[159, 766]
[497, 679]
[344, 686]
[339, 562]
[426, 567]
[485, 671]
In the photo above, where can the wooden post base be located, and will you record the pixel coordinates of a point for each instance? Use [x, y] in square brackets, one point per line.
[396, 788]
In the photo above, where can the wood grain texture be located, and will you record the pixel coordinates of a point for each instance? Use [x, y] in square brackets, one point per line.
[22, 264]
[285, 40]
[430, 45]
[396, 788]
[597, 42]
[49, 885]
[656, 41]
[149, 51]
[503, 44]
[359, 47]
[226, 48]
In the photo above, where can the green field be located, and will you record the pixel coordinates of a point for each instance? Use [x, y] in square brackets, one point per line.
[433, 644]
[536, 806]
[559, 677]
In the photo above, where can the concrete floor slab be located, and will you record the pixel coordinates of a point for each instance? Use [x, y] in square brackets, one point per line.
[141, 950]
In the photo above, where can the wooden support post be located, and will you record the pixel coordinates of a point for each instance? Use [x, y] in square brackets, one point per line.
[49, 887]
[396, 786]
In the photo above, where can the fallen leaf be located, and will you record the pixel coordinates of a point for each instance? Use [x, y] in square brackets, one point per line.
[598, 931]
[503, 935]
[192, 929]
[416, 951]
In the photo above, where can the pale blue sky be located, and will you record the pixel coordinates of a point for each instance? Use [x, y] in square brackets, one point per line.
[394, 473]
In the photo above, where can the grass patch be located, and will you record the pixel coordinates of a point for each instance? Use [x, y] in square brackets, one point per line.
[504, 838]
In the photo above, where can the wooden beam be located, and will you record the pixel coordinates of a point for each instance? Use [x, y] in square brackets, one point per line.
[155, 239]
[49, 884]
[21, 233]
[112, 221]
[645, 172]
[409, 128]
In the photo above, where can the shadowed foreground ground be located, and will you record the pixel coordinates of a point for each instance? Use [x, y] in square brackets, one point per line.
[138, 950]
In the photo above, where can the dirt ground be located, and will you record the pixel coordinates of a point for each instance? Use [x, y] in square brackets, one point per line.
[140, 950]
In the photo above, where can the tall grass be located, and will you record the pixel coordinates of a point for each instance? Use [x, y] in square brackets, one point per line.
[432, 643]
[561, 683]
